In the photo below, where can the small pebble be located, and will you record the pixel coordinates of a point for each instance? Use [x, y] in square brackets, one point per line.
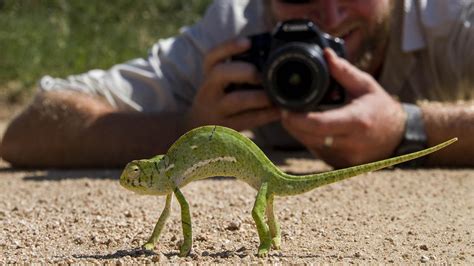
[241, 249]
[233, 226]
[156, 258]
[79, 241]
[424, 259]
[424, 247]
[201, 238]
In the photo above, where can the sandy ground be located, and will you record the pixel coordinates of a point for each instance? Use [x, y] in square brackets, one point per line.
[394, 216]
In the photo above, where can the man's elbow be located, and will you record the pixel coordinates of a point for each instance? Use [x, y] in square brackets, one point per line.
[7, 153]
[14, 150]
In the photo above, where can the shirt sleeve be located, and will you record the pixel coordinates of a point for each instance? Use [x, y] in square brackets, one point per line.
[130, 86]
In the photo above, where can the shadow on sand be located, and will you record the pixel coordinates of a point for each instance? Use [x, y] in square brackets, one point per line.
[137, 252]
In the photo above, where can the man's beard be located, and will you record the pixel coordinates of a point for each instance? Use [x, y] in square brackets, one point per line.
[373, 46]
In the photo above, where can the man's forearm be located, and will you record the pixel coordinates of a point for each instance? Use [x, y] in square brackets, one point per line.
[447, 120]
[60, 130]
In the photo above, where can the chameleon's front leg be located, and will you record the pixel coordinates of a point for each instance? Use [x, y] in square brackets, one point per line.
[159, 225]
[185, 248]
[258, 214]
[275, 231]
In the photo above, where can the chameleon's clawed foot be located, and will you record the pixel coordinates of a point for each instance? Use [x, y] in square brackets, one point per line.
[276, 243]
[149, 246]
[184, 250]
[263, 249]
[262, 252]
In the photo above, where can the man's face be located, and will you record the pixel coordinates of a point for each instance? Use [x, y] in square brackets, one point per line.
[363, 24]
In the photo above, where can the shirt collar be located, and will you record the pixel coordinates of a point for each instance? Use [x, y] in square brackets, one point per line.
[412, 36]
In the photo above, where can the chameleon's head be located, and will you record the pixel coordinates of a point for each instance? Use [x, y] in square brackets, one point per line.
[147, 177]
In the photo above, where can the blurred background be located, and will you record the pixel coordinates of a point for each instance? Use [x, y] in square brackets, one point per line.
[63, 37]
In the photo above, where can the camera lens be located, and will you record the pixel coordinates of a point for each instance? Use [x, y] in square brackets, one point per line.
[296, 76]
[293, 81]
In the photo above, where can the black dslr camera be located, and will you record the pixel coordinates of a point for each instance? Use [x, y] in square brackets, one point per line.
[295, 73]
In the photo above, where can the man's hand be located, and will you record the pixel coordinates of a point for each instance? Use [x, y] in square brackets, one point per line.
[239, 109]
[368, 128]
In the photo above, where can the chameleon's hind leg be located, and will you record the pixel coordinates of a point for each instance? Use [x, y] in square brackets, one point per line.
[150, 244]
[273, 223]
[258, 214]
[185, 248]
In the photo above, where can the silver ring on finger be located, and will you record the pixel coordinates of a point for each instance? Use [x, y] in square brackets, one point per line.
[328, 141]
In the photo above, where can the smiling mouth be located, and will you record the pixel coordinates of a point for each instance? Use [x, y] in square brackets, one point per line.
[347, 35]
[347, 32]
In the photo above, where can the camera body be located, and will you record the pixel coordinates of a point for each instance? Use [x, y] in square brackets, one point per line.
[295, 74]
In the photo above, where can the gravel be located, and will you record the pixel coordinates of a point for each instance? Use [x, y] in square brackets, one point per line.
[84, 216]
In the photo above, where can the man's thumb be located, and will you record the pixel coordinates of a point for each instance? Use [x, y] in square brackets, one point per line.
[354, 80]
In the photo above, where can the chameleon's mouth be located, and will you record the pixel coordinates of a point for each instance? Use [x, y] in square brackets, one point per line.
[126, 182]
[129, 178]
[122, 181]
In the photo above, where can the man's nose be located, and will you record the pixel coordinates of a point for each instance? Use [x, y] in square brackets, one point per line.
[330, 14]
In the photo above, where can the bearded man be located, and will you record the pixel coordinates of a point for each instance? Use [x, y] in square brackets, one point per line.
[408, 76]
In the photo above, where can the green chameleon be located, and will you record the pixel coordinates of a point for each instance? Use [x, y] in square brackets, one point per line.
[219, 151]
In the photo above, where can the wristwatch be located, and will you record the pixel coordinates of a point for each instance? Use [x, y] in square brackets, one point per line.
[414, 137]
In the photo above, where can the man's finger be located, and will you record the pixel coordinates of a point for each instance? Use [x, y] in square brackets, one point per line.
[253, 119]
[314, 141]
[241, 101]
[222, 52]
[222, 75]
[330, 122]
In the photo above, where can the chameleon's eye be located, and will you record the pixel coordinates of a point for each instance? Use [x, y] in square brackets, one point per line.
[134, 172]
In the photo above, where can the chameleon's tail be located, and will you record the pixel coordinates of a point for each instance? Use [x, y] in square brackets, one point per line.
[309, 182]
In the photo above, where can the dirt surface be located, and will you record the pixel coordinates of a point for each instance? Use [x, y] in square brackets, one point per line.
[394, 216]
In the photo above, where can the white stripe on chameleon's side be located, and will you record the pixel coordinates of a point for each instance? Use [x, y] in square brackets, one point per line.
[171, 166]
[197, 165]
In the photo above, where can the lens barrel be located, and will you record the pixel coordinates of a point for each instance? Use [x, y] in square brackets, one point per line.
[296, 76]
